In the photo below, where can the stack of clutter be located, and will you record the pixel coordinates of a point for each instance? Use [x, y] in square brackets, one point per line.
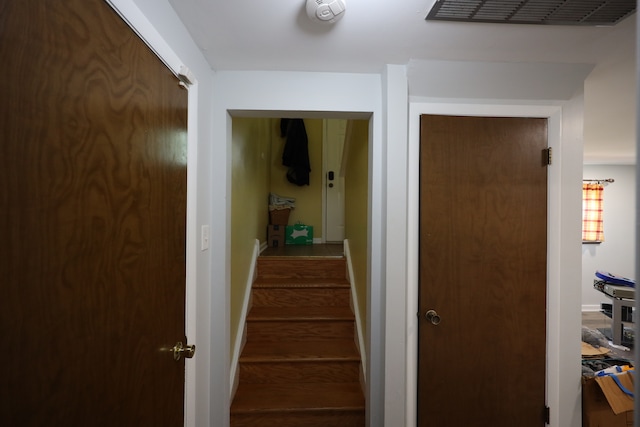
[281, 202]
[279, 209]
[607, 383]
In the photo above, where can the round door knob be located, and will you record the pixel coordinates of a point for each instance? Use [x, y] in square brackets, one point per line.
[183, 350]
[432, 317]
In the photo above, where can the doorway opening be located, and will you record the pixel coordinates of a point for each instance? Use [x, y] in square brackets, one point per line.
[257, 171]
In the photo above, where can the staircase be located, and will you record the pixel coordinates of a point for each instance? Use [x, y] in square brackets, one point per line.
[300, 366]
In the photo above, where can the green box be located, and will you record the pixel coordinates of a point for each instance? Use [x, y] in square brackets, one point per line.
[298, 234]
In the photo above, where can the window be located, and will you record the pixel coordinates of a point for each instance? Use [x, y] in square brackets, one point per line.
[592, 227]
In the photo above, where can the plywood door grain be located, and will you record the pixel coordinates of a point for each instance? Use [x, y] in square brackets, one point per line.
[92, 220]
[483, 234]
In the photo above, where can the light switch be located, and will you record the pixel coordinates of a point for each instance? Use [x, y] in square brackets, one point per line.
[204, 244]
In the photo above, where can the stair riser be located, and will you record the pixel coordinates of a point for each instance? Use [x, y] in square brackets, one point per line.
[299, 372]
[305, 419]
[299, 330]
[300, 297]
[274, 268]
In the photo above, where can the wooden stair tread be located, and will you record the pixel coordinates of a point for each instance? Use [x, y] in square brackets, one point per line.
[300, 365]
[298, 397]
[293, 282]
[288, 258]
[336, 350]
[266, 313]
[320, 268]
[303, 259]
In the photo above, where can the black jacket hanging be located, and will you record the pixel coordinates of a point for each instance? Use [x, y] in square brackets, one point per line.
[296, 151]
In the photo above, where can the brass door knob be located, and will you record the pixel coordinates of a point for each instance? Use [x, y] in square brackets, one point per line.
[179, 350]
[432, 317]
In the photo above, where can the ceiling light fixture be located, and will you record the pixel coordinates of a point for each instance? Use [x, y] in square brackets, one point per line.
[325, 11]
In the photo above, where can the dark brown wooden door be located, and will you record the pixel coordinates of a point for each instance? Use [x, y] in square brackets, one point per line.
[92, 221]
[483, 233]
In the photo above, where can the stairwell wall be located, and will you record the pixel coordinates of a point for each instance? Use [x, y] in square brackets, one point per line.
[308, 208]
[250, 172]
[356, 205]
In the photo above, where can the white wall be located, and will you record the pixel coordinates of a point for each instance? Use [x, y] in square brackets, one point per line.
[496, 80]
[157, 24]
[617, 253]
[610, 99]
[396, 106]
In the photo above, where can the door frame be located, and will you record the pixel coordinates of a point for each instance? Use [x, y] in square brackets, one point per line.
[139, 23]
[554, 374]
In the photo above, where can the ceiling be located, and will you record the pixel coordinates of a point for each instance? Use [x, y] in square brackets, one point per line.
[263, 35]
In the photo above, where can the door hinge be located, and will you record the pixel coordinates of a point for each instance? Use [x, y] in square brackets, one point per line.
[547, 156]
[547, 416]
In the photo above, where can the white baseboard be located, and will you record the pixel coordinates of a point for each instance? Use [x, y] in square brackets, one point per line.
[239, 343]
[590, 307]
[356, 312]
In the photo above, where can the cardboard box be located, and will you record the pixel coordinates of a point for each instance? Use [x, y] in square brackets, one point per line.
[275, 236]
[299, 234]
[275, 230]
[605, 404]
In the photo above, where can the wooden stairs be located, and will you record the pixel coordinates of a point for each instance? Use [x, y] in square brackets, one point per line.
[300, 366]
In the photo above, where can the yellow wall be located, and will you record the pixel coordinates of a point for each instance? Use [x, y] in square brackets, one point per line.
[308, 208]
[356, 207]
[251, 151]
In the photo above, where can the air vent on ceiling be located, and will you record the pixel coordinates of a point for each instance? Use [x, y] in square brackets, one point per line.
[557, 12]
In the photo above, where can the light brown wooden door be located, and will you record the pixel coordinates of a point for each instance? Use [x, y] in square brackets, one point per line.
[483, 234]
[92, 221]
